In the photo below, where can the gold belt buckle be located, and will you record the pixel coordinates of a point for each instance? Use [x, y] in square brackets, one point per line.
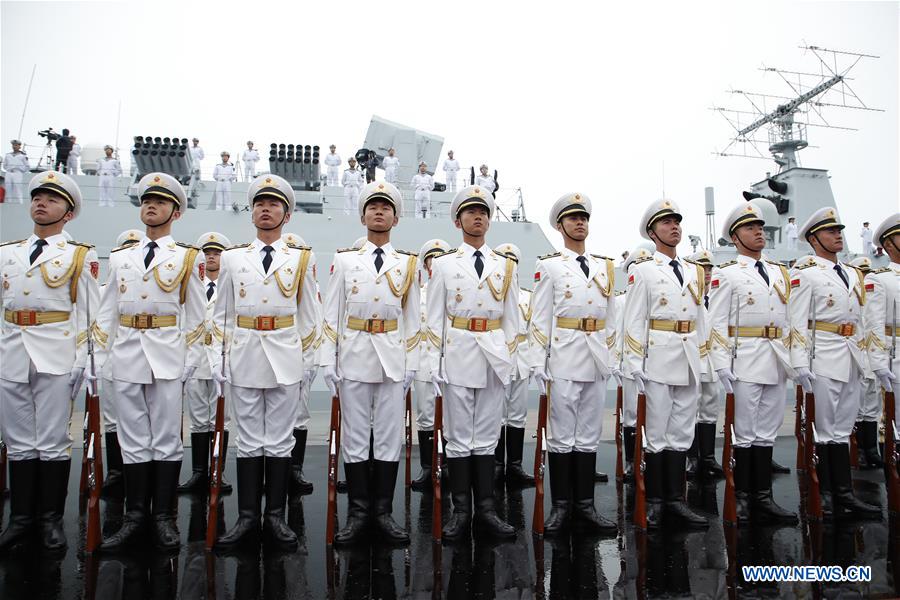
[477, 324]
[375, 325]
[846, 329]
[265, 323]
[770, 332]
[142, 321]
[26, 317]
[207, 339]
[682, 326]
[589, 324]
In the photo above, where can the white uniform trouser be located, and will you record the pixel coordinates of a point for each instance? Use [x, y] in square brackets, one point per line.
[575, 415]
[302, 421]
[15, 187]
[671, 415]
[108, 406]
[708, 407]
[390, 175]
[792, 243]
[351, 199]
[331, 174]
[423, 203]
[149, 420]
[869, 401]
[249, 170]
[35, 417]
[472, 417]
[629, 402]
[265, 420]
[451, 182]
[837, 404]
[72, 165]
[376, 408]
[516, 405]
[222, 195]
[106, 190]
[201, 400]
[758, 413]
[423, 391]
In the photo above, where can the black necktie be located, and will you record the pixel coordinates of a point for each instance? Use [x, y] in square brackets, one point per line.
[479, 264]
[706, 301]
[210, 290]
[151, 252]
[677, 269]
[762, 271]
[378, 260]
[840, 272]
[267, 259]
[584, 266]
[38, 248]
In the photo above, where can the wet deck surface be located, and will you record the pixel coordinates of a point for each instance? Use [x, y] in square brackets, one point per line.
[673, 564]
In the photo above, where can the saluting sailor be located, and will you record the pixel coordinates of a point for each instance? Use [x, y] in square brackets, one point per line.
[752, 294]
[267, 304]
[372, 321]
[473, 313]
[574, 318]
[201, 390]
[150, 325]
[47, 285]
[835, 295]
[665, 294]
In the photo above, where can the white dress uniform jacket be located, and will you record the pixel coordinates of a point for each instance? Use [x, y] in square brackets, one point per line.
[108, 166]
[451, 168]
[523, 368]
[390, 164]
[332, 164]
[486, 182]
[250, 158]
[15, 164]
[74, 157]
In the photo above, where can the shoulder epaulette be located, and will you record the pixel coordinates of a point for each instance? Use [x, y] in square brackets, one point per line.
[526, 290]
[12, 242]
[339, 250]
[601, 256]
[621, 292]
[122, 247]
[691, 262]
[82, 244]
[450, 251]
[727, 264]
[638, 261]
[297, 246]
[188, 246]
[805, 265]
[236, 246]
[546, 256]
[508, 255]
[775, 262]
[406, 252]
[872, 272]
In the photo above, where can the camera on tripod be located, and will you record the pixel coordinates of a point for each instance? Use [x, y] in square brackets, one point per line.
[49, 134]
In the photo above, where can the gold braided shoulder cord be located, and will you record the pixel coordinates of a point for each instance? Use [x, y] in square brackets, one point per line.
[296, 282]
[181, 279]
[76, 265]
[784, 295]
[610, 279]
[500, 295]
[401, 292]
[861, 290]
[697, 294]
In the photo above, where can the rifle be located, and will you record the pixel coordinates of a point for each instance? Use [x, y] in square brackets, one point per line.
[334, 445]
[92, 462]
[800, 431]
[408, 417]
[729, 511]
[854, 449]
[813, 498]
[540, 452]
[620, 465]
[891, 457]
[217, 452]
[437, 450]
[640, 442]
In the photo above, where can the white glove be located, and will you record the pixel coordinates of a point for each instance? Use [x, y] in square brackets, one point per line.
[188, 373]
[886, 379]
[617, 373]
[332, 379]
[437, 380]
[90, 381]
[221, 380]
[805, 378]
[407, 380]
[727, 378]
[541, 377]
[75, 380]
[639, 380]
[309, 375]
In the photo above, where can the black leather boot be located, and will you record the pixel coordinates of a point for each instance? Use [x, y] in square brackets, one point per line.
[385, 481]
[460, 473]
[628, 443]
[198, 483]
[275, 526]
[693, 453]
[299, 485]
[653, 487]
[113, 483]
[357, 504]
[485, 508]
[53, 485]
[763, 504]
[23, 499]
[779, 469]
[138, 486]
[708, 466]
[585, 511]
[500, 458]
[867, 443]
[422, 483]
[516, 476]
[561, 465]
[743, 478]
[846, 505]
[250, 473]
[165, 503]
[600, 477]
[823, 470]
[673, 461]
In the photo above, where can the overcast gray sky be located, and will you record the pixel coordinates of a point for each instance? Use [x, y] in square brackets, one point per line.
[558, 97]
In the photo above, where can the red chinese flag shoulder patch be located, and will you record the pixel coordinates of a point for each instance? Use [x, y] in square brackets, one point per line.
[202, 268]
[870, 287]
[331, 271]
[714, 283]
[95, 269]
[630, 279]
[795, 283]
[537, 276]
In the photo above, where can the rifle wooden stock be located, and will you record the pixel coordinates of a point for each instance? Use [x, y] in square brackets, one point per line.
[437, 468]
[408, 418]
[813, 497]
[334, 444]
[539, 567]
[537, 520]
[620, 466]
[210, 576]
[216, 454]
[437, 559]
[799, 432]
[94, 458]
[891, 458]
[729, 511]
[640, 494]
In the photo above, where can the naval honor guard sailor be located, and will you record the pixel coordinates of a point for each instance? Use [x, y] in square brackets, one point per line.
[47, 284]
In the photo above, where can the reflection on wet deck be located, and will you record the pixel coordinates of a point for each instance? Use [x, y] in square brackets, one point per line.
[675, 564]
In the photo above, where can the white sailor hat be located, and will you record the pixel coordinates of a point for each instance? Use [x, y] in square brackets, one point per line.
[510, 250]
[14, 142]
[473, 195]
[432, 247]
[742, 214]
[641, 251]
[863, 263]
[129, 237]
[293, 239]
[163, 186]
[225, 153]
[213, 240]
[824, 218]
[703, 258]
[360, 242]
[656, 211]
[60, 184]
[570, 204]
[108, 147]
[380, 190]
[271, 186]
[887, 228]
